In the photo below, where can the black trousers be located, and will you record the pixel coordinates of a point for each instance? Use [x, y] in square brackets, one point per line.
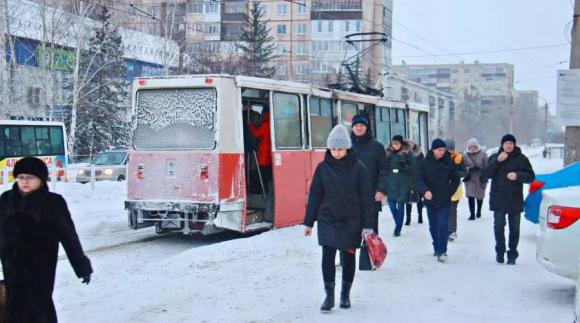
[499, 223]
[409, 208]
[471, 201]
[329, 268]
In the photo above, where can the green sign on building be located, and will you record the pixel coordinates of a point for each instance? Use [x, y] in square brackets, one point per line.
[55, 58]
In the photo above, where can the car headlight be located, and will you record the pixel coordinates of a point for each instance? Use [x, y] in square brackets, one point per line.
[81, 172]
[108, 172]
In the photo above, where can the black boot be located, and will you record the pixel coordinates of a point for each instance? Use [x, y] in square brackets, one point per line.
[420, 218]
[408, 221]
[328, 303]
[345, 295]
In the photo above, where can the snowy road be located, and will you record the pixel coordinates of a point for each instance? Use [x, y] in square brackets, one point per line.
[276, 276]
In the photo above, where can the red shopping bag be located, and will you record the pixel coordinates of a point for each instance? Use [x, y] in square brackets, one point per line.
[376, 248]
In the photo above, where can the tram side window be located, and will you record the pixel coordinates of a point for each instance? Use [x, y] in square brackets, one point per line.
[347, 111]
[287, 125]
[383, 125]
[42, 141]
[57, 140]
[320, 120]
[2, 143]
[28, 141]
[13, 146]
[414, 123]
[423, 129]
[398, 122]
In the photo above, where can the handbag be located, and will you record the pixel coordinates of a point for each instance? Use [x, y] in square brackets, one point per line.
[364, 261]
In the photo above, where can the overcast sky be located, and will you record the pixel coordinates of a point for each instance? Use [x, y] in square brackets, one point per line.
[466, 26]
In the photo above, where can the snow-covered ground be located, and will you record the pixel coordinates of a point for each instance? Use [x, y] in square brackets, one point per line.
[276, 277]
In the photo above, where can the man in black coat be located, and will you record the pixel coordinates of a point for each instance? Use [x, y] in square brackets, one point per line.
[372, 154]
[33, 221]
[437, 180]
[508, 170]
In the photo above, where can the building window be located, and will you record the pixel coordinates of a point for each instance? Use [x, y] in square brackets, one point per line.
[132, 12]
[330, 26]
[210, 8]
[358, 26]
[281, 49]
[152, 11]
[347, 26]
[302, 9]
[282, 9]
[262, 9]
[319, 26]
[302, 49]
[235, 7]
[280, 69]
[301, 69]
[213, 29]
[281, 29]
[301, 29]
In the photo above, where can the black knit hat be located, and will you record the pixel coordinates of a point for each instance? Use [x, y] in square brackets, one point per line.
[438, 143]
[398, 138]
[360, 118]
[31, 166]
[508, 137]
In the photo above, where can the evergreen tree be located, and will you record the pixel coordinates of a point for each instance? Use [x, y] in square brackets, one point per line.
[103, 104]
[258, 48]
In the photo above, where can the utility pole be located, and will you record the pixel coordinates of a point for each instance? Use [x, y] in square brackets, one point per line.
[575, 51]
[546, 130]
[572, 135]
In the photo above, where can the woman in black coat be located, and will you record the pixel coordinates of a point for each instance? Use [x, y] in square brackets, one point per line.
[340, 200]
[33, 221]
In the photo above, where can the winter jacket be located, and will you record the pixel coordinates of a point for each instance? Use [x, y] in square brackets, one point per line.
[440, 177]
[262, 136]
[400, 172]
[461, 170]
[31, 228]
[372, 154]
[340, 200]
[507, 196]
[475, 182]
[418, 156]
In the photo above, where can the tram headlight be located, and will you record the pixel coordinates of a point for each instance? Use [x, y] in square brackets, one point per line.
[108, 172]
[81, 172]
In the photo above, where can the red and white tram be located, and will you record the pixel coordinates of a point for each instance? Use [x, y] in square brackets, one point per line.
[192, 171]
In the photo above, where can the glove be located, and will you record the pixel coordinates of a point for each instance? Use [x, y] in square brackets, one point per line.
[475, 168]
[86, 279]
[467, 178]
[366, 232]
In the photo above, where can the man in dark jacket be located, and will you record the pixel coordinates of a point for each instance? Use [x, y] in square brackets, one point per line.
[508, 170]
[437, 179]
[372, 154]
[33, 221]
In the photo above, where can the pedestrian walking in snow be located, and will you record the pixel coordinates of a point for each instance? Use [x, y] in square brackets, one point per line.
[372, 154]
[457, 158]
[437, 180]
[508, 170]
[400, 170]
[33, 221]
[340, 200]
[475, 183]
[414, 197]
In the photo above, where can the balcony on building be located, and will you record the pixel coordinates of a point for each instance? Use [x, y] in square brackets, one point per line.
[336, 10]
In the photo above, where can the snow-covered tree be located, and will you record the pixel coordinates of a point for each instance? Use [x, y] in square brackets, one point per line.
[257, 46]
[102, 107]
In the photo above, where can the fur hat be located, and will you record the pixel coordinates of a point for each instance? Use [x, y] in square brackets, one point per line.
[508, 137]
[398, 138]
[31, 166]
[360, 118]
[438, 143]
[338, 138]
[450, 143]
[473, 142]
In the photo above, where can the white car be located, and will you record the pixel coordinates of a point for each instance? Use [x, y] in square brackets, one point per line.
[559, 239]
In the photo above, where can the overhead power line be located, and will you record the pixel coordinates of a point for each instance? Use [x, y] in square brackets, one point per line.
[482, 52]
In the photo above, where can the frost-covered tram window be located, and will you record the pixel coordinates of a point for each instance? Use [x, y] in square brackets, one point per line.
[175, 119]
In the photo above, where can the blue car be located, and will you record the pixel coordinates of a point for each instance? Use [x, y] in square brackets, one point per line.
[565, 177]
